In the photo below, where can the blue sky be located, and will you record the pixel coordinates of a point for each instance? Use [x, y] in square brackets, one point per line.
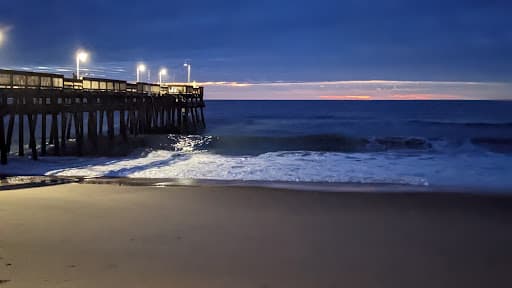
[267, 41]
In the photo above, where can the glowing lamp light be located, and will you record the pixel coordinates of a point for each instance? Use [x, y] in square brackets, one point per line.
[81, 56]
[188, 68]
[1, 37]
[162, 73]
[140, 68]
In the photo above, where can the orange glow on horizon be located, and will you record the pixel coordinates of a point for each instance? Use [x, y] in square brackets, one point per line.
[346, 97]
[425, 97]
[221, 83]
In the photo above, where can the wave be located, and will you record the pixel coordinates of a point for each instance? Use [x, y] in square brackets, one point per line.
[465, 124]
[476, 170]
[194, 157]
[256, 145]
[499, 145]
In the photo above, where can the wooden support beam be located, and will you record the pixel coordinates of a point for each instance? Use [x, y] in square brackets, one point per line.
[193, 118]
[162, 117]
[68, 126]
[21, 134]
[196, 114]
[202, 118]
[173, 116]
[94, 129]
[169, 116]
[32, 121]
[101, 122]
[122, 125]
[78, 135]
[10, 129]
[55, 135]
[180, 117]
[43, 134]
[63, 126]
[110, 123]
[186, 120]
[3, 147]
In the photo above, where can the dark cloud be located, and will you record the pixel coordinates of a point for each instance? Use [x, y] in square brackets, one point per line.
[274, 40]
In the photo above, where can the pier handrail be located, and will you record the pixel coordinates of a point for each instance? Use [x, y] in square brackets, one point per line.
[25, 79]
[13, 79]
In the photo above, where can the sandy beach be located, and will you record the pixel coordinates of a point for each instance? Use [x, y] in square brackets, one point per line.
[89, 235]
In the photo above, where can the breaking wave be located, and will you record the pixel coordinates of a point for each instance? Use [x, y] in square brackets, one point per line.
[463, 124]
[256, 145]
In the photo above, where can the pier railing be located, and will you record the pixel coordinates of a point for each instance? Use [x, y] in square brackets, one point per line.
[58, 109]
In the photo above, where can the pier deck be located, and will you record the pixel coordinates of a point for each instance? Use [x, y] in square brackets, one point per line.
[57, 110]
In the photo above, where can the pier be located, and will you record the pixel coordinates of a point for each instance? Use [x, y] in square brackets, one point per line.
[53, 111]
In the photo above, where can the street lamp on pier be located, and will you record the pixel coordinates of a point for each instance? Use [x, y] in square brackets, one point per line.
[140, 68]
[188, 74]
[163, 72]
[81, 56]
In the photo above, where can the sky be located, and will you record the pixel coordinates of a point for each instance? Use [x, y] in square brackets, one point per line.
[289, 49]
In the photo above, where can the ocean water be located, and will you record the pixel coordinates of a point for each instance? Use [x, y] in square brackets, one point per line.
[427, 143]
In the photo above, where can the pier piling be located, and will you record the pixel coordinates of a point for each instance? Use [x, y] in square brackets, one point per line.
[67, 105]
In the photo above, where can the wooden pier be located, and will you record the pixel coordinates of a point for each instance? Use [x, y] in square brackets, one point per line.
[59, 110]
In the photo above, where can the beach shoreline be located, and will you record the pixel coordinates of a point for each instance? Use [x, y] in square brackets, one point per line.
[10, 182]
[95, 235]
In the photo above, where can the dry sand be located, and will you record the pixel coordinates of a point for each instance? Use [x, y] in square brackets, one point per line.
[84, 235]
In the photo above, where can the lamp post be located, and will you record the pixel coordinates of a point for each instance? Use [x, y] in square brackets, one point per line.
[1, 37]
[81, 56]
[188, 67]
[162, 73]
[140, 68]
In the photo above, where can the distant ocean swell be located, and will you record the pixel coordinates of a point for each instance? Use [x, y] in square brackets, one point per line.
[464, 124]
[255, 145]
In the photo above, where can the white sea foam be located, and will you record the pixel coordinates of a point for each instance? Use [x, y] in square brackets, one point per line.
[485, 170]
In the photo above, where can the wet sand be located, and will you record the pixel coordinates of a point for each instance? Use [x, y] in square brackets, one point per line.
[87, 235]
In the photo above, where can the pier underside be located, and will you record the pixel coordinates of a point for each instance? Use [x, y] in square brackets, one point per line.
[57, 120]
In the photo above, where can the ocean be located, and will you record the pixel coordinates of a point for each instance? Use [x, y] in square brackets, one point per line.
[459, 144]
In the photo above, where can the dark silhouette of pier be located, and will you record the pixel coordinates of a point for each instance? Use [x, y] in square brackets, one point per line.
[59, 111]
